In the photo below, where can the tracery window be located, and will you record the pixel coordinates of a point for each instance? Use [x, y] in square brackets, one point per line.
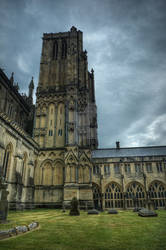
[135, 195]
[113, 196]
[96, 195]
[116, 168]
[138, 168]
[96, 169]
[159, 167]
[157, 193]
[106, 170]
[6, 161]
[55, 50]
[64, 49]
[127, 168]
[50, 132]
[149, 167]
[60, 132]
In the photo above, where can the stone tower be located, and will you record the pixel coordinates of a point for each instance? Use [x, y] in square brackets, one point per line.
[66, 120]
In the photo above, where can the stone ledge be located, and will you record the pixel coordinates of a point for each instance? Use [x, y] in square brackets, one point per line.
[18, 230]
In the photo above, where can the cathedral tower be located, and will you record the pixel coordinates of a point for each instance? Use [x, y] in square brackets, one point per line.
[66, 118]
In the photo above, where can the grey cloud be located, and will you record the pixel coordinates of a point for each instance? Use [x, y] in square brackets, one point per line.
[126, 44]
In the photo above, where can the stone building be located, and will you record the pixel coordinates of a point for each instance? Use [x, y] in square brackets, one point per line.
[62, 160]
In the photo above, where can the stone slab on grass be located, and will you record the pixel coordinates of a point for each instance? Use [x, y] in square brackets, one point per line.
[147, 213]
[112, 211]
[93, 211]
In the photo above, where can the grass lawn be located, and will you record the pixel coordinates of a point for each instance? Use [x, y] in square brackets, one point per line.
[58, 230]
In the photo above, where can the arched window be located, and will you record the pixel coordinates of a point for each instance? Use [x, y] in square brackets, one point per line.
[64, 49]
[157, 193]
[55, 50]
[135, 195]
[113, 196]
[6, 161]
[47, 174]
[58, 173]
[24, 167]
[96, 195]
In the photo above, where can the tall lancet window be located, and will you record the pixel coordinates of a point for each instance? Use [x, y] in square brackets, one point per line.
[64, 49]
[55, 50]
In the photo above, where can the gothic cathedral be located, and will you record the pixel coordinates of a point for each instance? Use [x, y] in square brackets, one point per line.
[49, 151]
[65, 121]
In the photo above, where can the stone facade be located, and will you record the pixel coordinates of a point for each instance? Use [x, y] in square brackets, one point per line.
[61, 160]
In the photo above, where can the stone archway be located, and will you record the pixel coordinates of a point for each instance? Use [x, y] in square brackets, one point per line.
[96, 195]
[135, 195]
[113, 196]
[157, 193]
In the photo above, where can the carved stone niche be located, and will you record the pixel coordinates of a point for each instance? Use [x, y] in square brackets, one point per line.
[71, 106]
[71, 126]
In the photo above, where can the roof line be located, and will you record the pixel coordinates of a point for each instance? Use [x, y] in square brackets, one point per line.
[130, 147]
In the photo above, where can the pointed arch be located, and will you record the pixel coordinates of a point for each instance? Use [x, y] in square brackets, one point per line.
[157, 193]
[7, 161]
[64, 49]
[55, 50]
[135, 194]
[96, 195]
[47, 173]
[58, 173]
[24, 163]
[113, 195]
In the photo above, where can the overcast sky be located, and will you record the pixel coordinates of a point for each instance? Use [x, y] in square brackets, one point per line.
[126, 44]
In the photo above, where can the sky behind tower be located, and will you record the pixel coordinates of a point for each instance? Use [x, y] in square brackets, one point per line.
[126, 44]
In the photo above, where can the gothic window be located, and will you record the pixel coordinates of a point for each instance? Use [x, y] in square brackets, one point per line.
[96, 169]
[24, 166]
[113, 196]
[157, 193]
[58, 174]
[96, 195]
[116, 168]
[47, 174]
[106, 170]
[159, 167]
[64, 49]
[6, 162]
[148, 167]
[138, 168]
[60, 132]
[55, 50]
[135, 195]
[127, 168]
[50, 132]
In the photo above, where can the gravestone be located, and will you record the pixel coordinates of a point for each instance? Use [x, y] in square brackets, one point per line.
[93, 211]
[3, 201]
[74, 207]
[147, 213]
[112, 211]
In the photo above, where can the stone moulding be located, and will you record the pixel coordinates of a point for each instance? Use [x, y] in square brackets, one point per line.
[18, 230]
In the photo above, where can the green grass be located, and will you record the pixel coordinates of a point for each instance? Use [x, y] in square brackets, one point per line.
[59, 231]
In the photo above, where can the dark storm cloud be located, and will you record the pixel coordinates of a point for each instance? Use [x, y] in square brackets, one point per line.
[126, 44]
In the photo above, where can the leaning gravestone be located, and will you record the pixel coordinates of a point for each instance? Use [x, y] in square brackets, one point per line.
[112, 211]
[146, 213]
[3, 201]
[93, 211]
[74, 207]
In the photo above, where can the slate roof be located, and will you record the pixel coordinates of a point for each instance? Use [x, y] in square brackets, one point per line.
[129, 152]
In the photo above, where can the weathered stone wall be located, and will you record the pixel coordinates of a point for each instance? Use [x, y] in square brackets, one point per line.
[18, 160]
[124, 179]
